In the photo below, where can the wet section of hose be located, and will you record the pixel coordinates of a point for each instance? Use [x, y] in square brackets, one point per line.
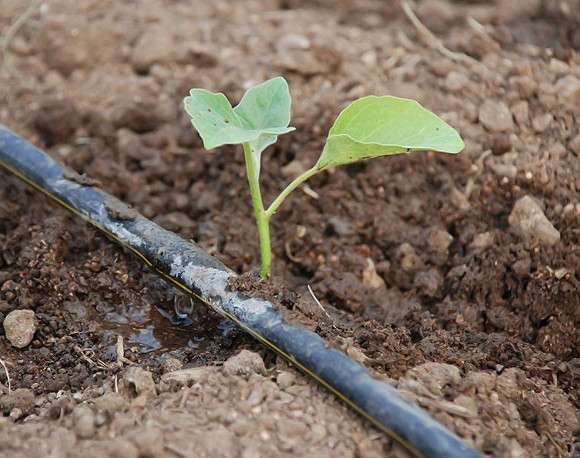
[188, 267]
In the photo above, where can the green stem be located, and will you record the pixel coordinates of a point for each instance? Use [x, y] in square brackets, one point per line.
[262, 219]
[291, 187]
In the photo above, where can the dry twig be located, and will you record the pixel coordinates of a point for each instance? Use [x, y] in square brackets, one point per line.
[319, 304]
[431, 40]
[7, 376]
[15, 27]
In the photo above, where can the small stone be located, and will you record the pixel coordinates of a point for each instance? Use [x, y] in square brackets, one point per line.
[521, 112]
[293, 41]
[293, 169]
[370, 58]
[481, 242]
[189, 376]
[525, 85]
[568, 90]
[153, 47]
[459, 200]
[19, 327]
[256, 396]
[410, 261]
[504, 170]
[355, 353]
[289, 429]
[285, 379]
[496, 116]
[456, 81]
[110, 402]
[500, 144]
[429, 282]
[171, 365]
[560, 273]
[84, 422]
[340, 226]
[16, 414]
[541, 122]
[245, 363]
[20, 398]
[139, 382]
[559, 67]
[575, 145]
[439, 241]
[529, 222]
[370, 277]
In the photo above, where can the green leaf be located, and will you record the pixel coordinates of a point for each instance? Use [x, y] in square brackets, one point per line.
[262, 115]
[377, 126]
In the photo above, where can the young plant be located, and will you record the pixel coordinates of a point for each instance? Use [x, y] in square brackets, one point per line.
[369, 127]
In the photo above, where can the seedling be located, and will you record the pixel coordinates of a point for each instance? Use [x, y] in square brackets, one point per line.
[369, 127]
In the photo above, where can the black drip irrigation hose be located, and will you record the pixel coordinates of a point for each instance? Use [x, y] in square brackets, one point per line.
[185, 265]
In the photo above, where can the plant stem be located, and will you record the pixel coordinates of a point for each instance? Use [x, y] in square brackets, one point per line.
[262, 219]
[291, 187]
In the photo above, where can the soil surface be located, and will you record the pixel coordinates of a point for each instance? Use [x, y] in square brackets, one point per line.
[454, 277]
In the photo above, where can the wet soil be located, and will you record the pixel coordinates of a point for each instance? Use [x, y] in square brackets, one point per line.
[419, 273]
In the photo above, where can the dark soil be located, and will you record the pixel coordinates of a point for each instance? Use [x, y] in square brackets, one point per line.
[420, 275]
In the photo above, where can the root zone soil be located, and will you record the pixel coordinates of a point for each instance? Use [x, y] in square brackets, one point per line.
[413, 258]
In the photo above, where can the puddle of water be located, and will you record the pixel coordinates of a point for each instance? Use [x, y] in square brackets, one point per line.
[157, 329]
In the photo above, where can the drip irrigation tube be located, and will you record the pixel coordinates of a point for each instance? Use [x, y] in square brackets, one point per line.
[188, 267]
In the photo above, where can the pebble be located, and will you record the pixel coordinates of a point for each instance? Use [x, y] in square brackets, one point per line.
[500, 144]
[568, 90]
[340, 226]
[171, 365]
[439, 241]
[541, 122]
[504, 170]
[153, 47]
[19, 327]
[84, 422]
[481, 242]
[575, 145]
[410, 261]
[370, 277]
[293, 41]
[244, 363]
[139, 381]
[293, 169]
[429, 282]
[20, 398]
[456, 81]
[285, 379]
[521, 112]
[189, 376]
[496, 116]
[529, 222]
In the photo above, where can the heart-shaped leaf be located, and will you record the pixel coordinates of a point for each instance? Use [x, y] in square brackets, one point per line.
[262, 115]
[377, 126]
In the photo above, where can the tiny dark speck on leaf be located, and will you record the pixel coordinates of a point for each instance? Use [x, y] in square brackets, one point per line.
[209, 109]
